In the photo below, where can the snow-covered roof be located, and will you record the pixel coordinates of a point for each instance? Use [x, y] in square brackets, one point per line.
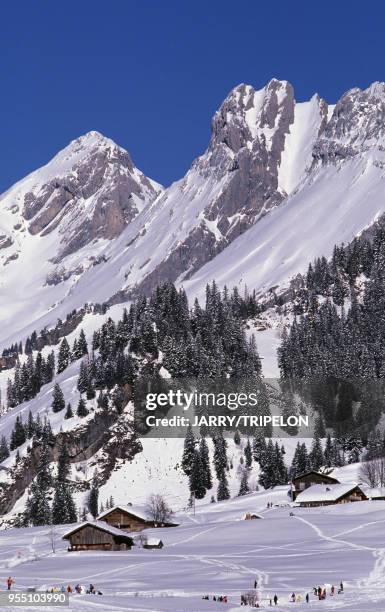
[153, 542]
[375, 492]
[252, 514]
[325, 492]
[138, 511]
[99, 525]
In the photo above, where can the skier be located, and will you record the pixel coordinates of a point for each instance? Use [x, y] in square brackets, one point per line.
[341, 587]
[69, 589]
[332, 590]
[307, 597]
[255, 584]
[275, 599]
[10, 582]
[292, 598]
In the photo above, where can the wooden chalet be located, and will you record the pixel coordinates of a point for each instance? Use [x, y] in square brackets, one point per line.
[326, 495]
[308, 479]
[130, 518]
[97, 535]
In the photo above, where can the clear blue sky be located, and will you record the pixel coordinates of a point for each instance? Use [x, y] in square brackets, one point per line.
[150, 74]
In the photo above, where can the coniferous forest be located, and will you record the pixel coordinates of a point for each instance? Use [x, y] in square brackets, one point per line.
[334, 350]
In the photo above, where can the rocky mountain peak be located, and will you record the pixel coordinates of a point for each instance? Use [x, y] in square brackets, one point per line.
[91, 189]
[248, 114]
[356, 125]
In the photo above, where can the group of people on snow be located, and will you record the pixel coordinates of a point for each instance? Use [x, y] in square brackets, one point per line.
[321, 592]
[79, 589]
[220, 598]
[249, 600]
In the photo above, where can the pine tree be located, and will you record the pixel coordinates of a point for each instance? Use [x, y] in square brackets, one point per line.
[205, 461]
[37, 510]
[220, 455]
[83, 379]
[259, 448]
[188, 452]
[4, 450]
[58, 402]
[197, 477]
[328, 453]
[18, 436]
[82, 409]
[81, 348]
[244, 486]
[93, 498]
[63, 507]
[64, 356]
[69, 413]
[316, 456]
[223, 492]
[30, 428]
[319, 428]
[248, 454]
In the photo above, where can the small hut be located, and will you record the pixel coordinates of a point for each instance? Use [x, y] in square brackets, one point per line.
[251, 516]
[153, 543]
[97, 536]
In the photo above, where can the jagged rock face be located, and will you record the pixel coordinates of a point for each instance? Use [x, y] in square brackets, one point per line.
[98, 195]
[244, 158]
[105, 439]
[356, 125]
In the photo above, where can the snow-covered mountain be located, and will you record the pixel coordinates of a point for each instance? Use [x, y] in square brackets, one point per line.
[341, 194]
[55, 224]
[260, 148]
[280, 183]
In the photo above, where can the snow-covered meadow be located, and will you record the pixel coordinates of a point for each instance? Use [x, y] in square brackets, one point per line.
[215, 552]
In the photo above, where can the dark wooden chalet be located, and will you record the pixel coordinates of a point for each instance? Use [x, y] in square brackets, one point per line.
[97, 536]
[308, 479]
[130, 518]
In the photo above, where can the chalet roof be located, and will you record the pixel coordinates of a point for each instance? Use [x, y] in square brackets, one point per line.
[326, 476]
[102, 525]
[137, 511]
[325, 492]
[374, 493]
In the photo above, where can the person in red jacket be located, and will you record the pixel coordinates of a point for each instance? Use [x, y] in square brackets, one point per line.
[10, 582]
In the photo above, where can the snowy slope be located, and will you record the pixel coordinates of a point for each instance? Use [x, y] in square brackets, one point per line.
[342, 194]
[56, 223]
[334, 206]
[216, 553]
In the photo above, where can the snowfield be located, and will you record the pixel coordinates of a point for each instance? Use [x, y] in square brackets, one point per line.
[215, 552]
